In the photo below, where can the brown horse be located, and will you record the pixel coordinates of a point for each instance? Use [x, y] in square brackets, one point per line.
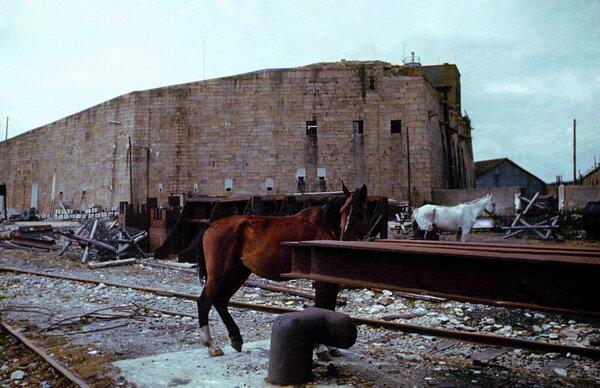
[237, 246]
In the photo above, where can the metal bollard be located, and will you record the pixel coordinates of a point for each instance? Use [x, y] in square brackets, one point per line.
[293, 337]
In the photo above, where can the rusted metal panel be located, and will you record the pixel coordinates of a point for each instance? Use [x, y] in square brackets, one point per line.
[559, 281]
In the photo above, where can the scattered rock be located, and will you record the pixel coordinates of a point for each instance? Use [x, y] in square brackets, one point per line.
[560, 372]
[569, 333]
[17, 375]
[537, 329]
[387, 293]
[375, 309]
[553, 336]
[385, 301]
[594, 340]
[411, 357]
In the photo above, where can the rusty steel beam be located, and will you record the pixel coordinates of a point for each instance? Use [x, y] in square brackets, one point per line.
[554, 282]
[478, 338]
[45, 356]
[537, 249]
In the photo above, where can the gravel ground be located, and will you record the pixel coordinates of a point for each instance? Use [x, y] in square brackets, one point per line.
[380, 357]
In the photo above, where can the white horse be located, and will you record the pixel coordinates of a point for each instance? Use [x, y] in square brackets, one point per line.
[453, 218]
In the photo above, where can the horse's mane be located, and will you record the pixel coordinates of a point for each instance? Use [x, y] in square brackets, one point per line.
[475, 200]
[332, 209]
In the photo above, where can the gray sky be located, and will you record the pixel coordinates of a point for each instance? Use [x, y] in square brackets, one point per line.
[528, 68]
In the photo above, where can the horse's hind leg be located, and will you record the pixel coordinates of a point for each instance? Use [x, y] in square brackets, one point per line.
[228, 288]
[205, 302]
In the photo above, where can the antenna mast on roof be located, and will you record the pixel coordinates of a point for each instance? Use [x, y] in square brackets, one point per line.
[412, 61]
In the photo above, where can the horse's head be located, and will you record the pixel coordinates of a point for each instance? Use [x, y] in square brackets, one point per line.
[353, 223]
[490, 206]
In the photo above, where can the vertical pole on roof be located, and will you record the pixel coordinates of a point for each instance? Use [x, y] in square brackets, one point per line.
[574, 152]
[130, 169]
[6, 136]
[408, 164]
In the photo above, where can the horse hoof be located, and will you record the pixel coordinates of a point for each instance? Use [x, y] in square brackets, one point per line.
[237, 345]
[215, 352]
[324, 356]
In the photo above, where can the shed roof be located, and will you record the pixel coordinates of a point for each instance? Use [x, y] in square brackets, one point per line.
[484, 166]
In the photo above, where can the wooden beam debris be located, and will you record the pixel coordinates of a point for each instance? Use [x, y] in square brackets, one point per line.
[543, 229]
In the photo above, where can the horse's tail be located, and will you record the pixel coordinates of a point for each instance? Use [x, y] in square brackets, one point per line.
[198, 243]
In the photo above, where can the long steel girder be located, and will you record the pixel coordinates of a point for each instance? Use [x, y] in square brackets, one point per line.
[544, 278]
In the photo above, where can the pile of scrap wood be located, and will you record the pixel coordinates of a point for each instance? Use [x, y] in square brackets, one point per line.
[544, 225]
[106, 241]
[31, 238]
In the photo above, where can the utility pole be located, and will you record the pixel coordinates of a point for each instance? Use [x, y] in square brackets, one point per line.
[6, 136]
[408, 165]
[574, 152]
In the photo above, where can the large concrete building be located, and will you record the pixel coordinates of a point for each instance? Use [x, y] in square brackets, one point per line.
[396, 128]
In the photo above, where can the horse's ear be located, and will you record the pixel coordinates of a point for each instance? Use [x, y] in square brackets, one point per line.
[345, 190]
[363, 192]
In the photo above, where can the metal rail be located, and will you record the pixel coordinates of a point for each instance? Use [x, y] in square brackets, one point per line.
[252, 284]
[558, 280]
[478, 338]
[45, 356]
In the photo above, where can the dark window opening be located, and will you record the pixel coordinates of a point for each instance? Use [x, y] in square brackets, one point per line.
[371, 83]
[300, 179]
[269, 188]
[357, 127]
[228, 189]
[321, 178]
[396, 126]
[311, 128]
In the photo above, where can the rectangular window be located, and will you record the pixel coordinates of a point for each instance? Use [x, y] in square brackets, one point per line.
[357, 127]
[395, 126]
[311, 128]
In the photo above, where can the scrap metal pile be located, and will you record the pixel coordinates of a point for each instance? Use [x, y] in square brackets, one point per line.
[31, 238]
[105, 241]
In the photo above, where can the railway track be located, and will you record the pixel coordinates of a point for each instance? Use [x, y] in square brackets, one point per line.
[69, 375]
[478, 338]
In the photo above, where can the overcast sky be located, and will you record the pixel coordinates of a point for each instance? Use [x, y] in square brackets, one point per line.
[528, 68]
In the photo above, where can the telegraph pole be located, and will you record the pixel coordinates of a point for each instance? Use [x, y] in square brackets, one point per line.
[574, 152]
[6, 136]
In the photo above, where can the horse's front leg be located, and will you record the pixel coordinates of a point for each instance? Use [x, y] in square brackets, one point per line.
[205, 302]
[464, 234]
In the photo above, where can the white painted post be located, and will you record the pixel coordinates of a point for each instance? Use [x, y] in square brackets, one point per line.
[561, 197]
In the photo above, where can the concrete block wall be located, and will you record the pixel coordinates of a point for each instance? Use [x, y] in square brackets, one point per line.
[248, 128]
[81, 152]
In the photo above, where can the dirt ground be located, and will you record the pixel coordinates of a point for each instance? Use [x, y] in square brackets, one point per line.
[130, 327]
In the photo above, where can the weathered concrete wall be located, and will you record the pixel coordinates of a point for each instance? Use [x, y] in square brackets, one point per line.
[504, 197]
[83, 152]
[252, 127]
[248, 128]
[592, 178]
[576, 197]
